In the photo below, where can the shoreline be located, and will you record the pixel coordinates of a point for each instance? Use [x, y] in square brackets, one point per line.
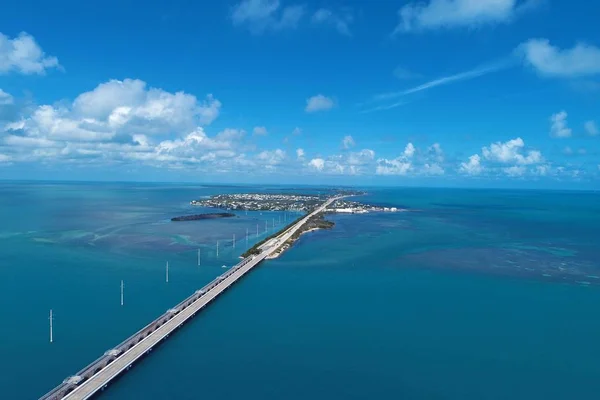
[288, 245]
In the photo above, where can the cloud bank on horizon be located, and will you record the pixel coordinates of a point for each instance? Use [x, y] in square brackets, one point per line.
[475, 117]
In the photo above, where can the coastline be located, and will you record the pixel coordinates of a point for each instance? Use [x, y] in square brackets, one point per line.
[289, 244]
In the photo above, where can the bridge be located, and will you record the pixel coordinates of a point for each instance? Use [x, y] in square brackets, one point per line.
[97, 375]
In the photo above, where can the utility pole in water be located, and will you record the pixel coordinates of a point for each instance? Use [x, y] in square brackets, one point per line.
[198, 257]
[167, 273]
[122, 286]
[51, 319]
[233, 241]
[217, 249]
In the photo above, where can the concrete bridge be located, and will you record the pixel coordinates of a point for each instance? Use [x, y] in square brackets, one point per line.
[97, 375]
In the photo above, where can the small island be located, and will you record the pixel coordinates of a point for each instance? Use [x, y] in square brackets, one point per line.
[313, 224]
[203, 216]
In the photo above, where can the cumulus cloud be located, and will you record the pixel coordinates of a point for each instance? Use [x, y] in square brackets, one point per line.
[558, 125]
[260, 130]
[300, 154]
[433, 169]
[580, 61]
[435, 152]
[400, 165]
[515, 170]
[123, 121]
[349, 163]
[409, 150]
[317, 163]
[23, 55]
[341, 21]
[260, 16]
[591, 128]
[5, 98]
[511, 152]
[319, 103]
[473, 166]
[436, 14]
[272, 157]
[118, 109]
[363, 157]
[297, 131]
[347, 142]
[392, 167]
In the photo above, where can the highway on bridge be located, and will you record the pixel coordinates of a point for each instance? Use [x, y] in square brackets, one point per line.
[96, 376]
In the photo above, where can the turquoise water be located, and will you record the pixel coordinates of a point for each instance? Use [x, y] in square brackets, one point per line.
[448, 301]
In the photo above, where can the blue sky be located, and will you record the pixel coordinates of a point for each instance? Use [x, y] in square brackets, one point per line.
[436, 92]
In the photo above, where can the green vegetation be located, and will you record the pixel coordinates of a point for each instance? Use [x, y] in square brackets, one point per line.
[316, 222]
[255, 249]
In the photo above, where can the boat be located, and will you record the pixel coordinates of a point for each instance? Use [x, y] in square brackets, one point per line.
[224, 266]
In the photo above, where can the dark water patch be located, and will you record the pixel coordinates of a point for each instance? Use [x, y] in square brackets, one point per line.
[543, 265]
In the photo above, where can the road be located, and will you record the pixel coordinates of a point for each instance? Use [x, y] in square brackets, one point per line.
[96, 376]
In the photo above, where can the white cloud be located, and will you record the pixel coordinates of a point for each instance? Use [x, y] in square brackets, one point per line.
[435, 152]
[363, 157]
[515, 170]
[511, 152]
[396, 166]
[118, 109]
[318, 103]
[541, 170]
[317, 163]
[341, 21]
[347, 142]
[558, 127]
[273, 157]
[300, 154]
[4, 158]
[454, 13]
[581, 60]
[409, 150]
[400, 165]
[433, 169]
[473, 166]
[591, 128]
[467, 75]
[260, 130]
[297, 131]
[23, 55]
[5, 98]
[266, 15]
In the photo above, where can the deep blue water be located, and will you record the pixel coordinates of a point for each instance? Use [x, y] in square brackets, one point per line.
[471, 295]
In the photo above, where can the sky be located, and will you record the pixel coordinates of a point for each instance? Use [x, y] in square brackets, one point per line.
[487, 93]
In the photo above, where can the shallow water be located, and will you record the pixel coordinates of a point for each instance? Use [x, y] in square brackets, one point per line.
[437, 303]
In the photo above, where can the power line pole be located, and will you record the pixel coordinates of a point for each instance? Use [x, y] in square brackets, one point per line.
[233, 241]
[167, 273]
[198, 257]
[217, 249]
[122, 286]
[51, 319]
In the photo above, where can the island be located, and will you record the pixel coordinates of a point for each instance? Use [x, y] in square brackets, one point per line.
[202, 216]
[288, 202]
[316, 222]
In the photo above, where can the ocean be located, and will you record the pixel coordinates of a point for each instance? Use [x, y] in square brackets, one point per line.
[469, 294]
